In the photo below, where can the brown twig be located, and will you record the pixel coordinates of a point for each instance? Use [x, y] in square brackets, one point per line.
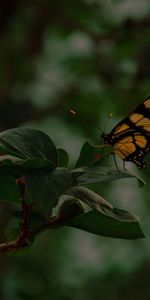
[23, 238]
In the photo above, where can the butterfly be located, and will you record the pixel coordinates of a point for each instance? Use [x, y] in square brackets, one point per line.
[130, 138]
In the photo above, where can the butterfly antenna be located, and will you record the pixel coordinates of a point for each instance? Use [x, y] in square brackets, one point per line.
[107, 121]
[75, 113]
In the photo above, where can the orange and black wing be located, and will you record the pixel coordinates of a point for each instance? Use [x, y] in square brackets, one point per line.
[138, 120]
[132, 148]
[130, 138]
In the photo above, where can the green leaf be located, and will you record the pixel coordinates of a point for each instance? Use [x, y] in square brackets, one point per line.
[62, 179]
[11, 233]
[8, 188]
[28, 143]
[10, 171]
[100, 204]
[41, 192]
[20, 166]
[97, 223]
[44, 188]
[35, 164]
[34, 218]
[70, 207]
[89, 197]
[92, 155]
[87, 175]
[63, 158]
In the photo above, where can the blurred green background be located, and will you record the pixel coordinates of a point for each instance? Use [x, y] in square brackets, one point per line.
[93, 56]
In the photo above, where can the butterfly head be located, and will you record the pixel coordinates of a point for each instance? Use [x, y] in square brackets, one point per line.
[106, 138]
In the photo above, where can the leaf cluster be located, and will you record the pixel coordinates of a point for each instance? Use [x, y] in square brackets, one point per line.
[55, 195]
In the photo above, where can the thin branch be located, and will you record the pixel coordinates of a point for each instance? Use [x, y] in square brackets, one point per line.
[23, 238]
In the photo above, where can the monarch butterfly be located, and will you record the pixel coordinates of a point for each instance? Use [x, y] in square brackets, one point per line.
[130, 138]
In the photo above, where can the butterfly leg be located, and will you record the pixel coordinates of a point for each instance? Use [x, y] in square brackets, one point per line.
[124, 167]
[116, 163]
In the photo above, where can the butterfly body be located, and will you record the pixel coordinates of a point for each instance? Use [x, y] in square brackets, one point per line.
[130, 138]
